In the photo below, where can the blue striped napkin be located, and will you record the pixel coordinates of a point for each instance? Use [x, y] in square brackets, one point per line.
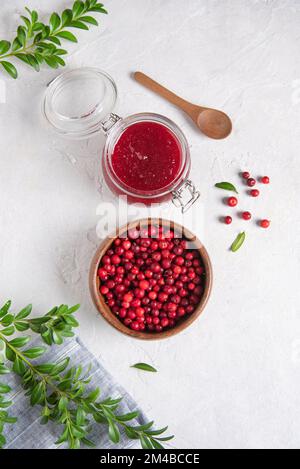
[28, 433]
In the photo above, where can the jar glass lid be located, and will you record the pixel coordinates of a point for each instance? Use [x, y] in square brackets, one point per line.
[77, 101]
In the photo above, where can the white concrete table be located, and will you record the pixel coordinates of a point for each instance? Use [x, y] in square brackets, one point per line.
[233, 379]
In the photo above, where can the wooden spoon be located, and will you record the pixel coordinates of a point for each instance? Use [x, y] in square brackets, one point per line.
[213, 123]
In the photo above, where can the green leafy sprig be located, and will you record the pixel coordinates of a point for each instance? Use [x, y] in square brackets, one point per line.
[61, 389]
[37, 43]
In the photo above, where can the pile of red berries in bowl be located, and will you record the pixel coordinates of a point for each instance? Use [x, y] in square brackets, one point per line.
[151, 281]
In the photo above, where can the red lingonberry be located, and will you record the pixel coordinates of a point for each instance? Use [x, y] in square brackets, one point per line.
[246, 216]
[265, 180]
[265, 223]
[251, 182]
[232, 201]
[254, 193]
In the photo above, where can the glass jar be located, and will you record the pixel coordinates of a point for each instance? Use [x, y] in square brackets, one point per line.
[79, 104]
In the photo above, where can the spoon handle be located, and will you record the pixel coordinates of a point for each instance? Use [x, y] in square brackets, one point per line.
[162, 91]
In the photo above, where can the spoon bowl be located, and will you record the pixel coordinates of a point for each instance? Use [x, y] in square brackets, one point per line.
[215, 124]
[211, 122]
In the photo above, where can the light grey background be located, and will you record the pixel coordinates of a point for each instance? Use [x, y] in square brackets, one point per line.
[231, 380]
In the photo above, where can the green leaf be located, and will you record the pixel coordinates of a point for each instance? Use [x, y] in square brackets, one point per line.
[4, 388]
[19, 341]
[63, 437]
[33, 62]
[45, 31]
[89, 19]
[99, 9]
[129, 416]
[62, 310]
[21, 35]
[16, 45]
[34, 16]
[47, 336]
[21, 326]
[80, 416]
[7, 419]
[4, 370]
[7, 320]
[10, 69]
[27, 22]
[143, 428]
[88, 442]
[57, 338]
[113, 432]
[4, 47]
[55, 21]
[2, 351]
[34, 352]
[78, 432]
[78, 8]
[67, 35]
[156, 444]
[63, 404]
[144, 367]
[10, 354]
[38, 394]
[24, 312]
[92, 397]
[8, 330]
[5, 404]
[45, 368]
[38, 27]
[145, 442]
[55, 40]
[131, 433]
[166, 438]
[2, 441]
[52, 62]
[66, 17]
[61, 52]
[18, 366]
[75, 444]
[227, 186]
[79, 25]
[71, 320]
[4, 310]
[61, 366]
[238, 242]
[157, 432]
[39, 321]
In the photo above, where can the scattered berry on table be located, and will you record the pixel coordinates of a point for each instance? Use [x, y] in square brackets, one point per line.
[232, 201]
[265, 180]
[246, 215]
[265, 223]
[251, 182]
[246, 175]
[254, 193]
[228, 220]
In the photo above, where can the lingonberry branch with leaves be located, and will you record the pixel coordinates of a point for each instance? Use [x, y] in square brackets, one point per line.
[60, 389]
[37, 43]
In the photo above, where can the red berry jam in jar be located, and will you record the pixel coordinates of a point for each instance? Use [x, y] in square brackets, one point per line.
[147, 157]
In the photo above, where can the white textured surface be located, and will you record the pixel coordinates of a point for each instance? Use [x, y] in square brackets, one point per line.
[231, 380]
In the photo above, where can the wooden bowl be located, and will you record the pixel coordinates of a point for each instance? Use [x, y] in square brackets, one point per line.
[104, 309]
